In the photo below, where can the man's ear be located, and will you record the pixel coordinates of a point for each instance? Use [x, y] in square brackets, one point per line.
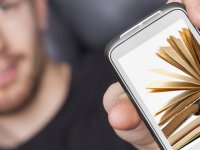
[42, 13]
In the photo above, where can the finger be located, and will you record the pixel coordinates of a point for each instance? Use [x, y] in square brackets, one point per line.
[193, 9]
[111, 94]
[140, 137]
[123, 115]
[125, 120]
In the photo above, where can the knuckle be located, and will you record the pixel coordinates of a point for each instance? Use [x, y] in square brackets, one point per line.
[111, 94]
[110, 90]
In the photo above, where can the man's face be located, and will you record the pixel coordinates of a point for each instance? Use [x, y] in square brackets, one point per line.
[21, 58]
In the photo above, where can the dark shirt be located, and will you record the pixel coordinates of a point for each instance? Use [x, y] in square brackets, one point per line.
[82, 122]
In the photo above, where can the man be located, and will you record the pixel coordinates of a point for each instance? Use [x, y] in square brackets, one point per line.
[47, 106]
[44, 105]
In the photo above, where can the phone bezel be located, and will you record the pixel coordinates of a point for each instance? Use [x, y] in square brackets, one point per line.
[122, 45]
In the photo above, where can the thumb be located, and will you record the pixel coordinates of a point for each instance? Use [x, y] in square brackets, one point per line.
[125, 120]
[122, 114]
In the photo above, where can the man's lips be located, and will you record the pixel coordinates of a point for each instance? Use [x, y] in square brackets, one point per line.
[7, 75]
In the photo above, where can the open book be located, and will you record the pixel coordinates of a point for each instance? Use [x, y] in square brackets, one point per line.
[184, 54]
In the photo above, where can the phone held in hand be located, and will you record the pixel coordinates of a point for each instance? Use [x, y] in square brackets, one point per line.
[157, 62]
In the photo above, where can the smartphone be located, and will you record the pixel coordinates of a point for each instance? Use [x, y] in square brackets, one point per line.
[157, 61]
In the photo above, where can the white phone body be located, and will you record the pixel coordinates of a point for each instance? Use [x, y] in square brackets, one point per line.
[132, 54]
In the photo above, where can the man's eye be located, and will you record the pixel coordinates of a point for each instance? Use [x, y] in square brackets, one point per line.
[5, 7]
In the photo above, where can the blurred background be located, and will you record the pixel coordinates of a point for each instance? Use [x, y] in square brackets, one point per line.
[78, 27]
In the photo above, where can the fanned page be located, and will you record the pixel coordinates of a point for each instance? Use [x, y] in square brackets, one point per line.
[164, 72]
[182, 54]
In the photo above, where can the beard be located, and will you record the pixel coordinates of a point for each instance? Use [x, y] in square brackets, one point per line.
[19, 93]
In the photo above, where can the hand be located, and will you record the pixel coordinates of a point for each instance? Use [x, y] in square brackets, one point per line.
[123, 116]
[125, 120]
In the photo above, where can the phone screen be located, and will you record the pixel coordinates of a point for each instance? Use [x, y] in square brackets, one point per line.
[165, 72]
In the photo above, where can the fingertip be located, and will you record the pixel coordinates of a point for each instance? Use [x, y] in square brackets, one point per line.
[193, 10]
[123, 116]
[194, 15]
